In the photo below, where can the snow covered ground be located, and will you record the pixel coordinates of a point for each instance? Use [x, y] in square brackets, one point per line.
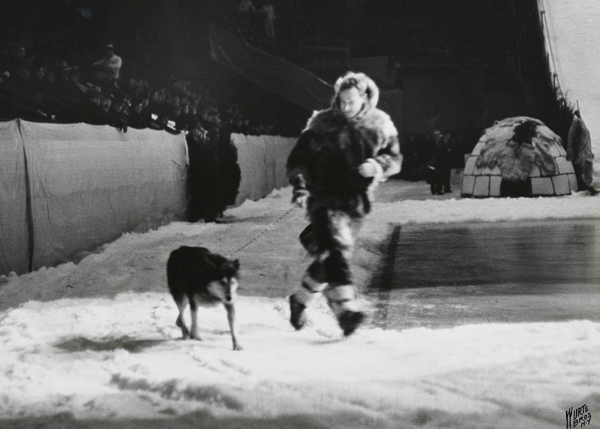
[94, 344]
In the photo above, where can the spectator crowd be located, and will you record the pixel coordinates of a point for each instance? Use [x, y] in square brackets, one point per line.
[42, 88]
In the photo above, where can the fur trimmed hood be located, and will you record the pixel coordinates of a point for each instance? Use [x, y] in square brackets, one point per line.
[364, 84]
[332, 120]
[369, 116]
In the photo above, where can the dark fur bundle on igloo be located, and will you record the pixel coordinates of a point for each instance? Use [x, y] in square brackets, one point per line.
[518, 157]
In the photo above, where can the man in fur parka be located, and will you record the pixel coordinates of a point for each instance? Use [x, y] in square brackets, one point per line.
[339, 159]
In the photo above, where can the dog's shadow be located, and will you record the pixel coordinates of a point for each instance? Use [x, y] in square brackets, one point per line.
[132, 345]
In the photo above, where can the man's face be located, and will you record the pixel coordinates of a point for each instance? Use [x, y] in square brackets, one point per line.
[23, 73]
[198, 133]
[351, 102]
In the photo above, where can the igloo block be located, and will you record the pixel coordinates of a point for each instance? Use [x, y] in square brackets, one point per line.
[495, 183]
[541, 186]
[535, 171]
[572, 182]
[564, 166]
[482, 186]
[468, 184]
[470, 165]
[554, 150]
[561, 184]
[489, 171]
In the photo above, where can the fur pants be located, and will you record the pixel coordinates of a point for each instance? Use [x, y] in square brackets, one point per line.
[330, 239]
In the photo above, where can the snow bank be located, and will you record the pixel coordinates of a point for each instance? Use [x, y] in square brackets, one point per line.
[119, 359]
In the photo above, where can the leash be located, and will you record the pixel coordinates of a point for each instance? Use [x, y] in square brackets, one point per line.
[264, 231]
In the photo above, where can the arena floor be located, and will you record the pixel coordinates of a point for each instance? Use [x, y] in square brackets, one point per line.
[511, 272]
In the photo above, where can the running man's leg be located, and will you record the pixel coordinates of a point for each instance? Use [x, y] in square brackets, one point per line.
[312, 287]
[341, 292]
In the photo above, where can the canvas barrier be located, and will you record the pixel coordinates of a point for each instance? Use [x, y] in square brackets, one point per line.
[86, 186]
[262, 161]
[14, 227]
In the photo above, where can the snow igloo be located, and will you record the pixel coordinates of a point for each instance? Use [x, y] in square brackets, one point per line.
[518, 157]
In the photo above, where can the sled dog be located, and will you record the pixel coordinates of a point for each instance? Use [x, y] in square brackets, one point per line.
[198, 277]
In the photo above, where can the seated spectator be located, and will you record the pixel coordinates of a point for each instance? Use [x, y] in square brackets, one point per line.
[157, 101]
[138, 117]
[39, 73]
[18, 60]
[49, 77]
[92, 111]
[72, 92]
[175, 116]
[182, 121]
[105, 105]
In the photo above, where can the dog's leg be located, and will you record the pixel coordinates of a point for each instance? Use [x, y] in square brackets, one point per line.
[233, 326]
[194, 335]
[182, 305]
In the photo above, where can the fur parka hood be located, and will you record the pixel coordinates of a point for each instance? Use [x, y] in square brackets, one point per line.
[369, 116]
[365, 86]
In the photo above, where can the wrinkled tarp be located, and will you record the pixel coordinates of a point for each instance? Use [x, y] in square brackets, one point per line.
[262, 161]
[14, 231]
[282, 77]
[89, 184]
[572, 42]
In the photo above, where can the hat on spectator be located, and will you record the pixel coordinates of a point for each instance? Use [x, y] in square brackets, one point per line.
[110, 46]
[62, 66]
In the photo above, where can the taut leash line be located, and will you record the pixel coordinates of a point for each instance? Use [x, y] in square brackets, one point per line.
[264, 231]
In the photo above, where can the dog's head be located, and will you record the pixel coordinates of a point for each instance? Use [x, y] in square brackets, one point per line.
[225, 287]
